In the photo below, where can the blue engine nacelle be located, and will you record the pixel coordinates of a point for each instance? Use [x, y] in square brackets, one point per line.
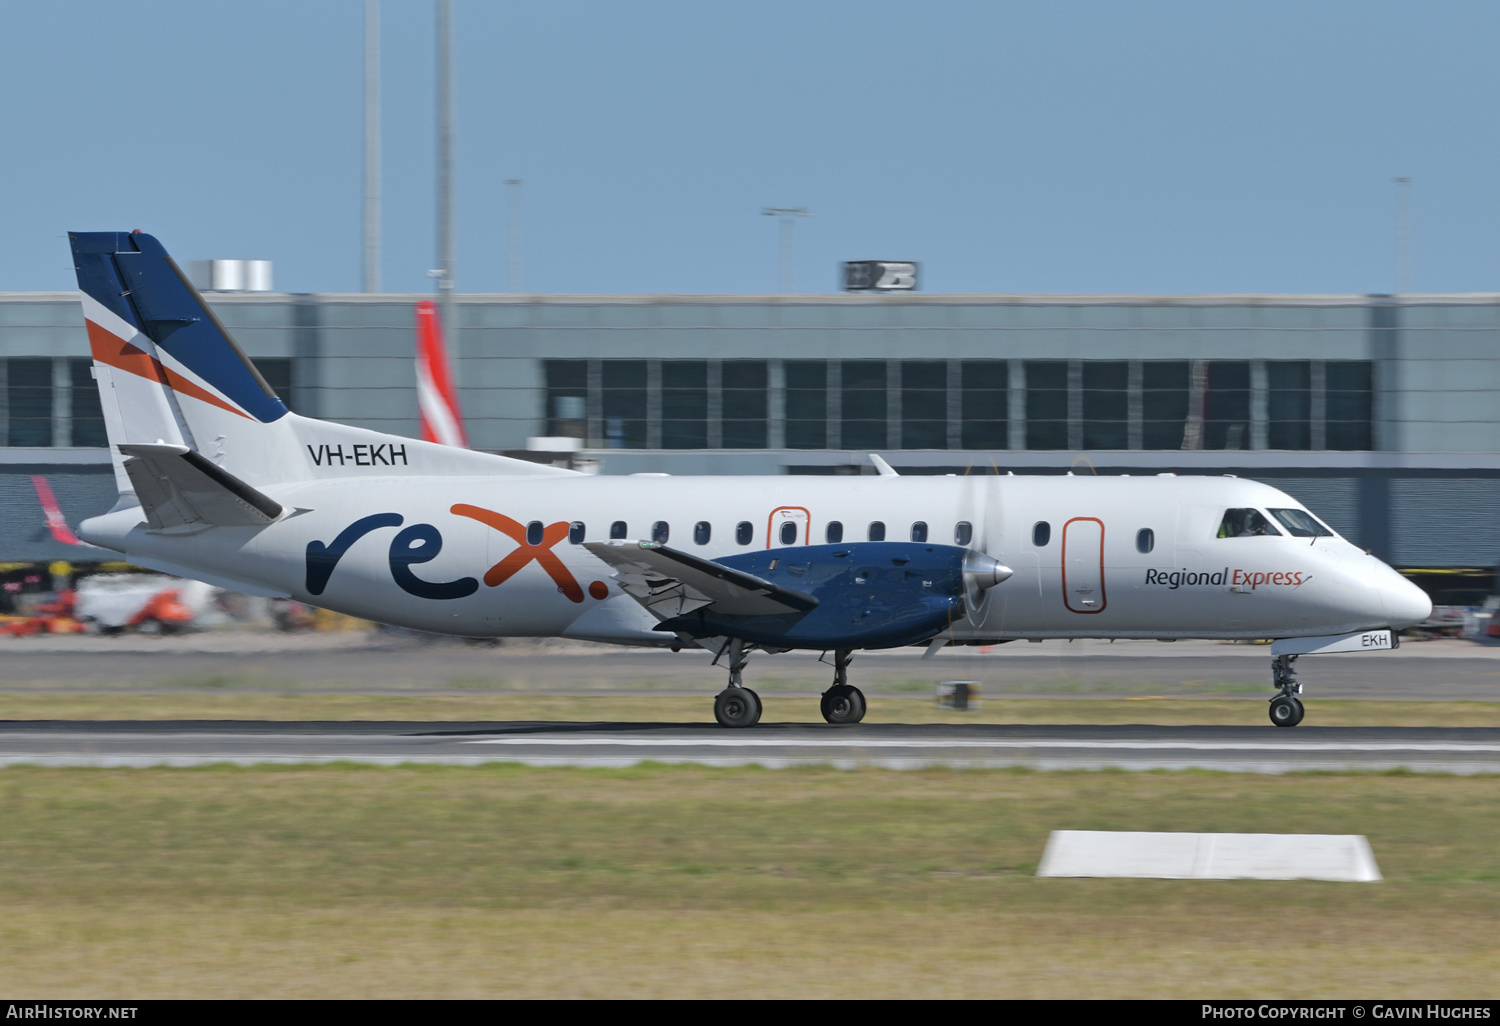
[870, 595]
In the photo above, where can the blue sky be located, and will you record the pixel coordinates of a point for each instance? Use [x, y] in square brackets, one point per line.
[1054, 147]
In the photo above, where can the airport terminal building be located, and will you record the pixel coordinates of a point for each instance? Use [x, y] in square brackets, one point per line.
[1381, 413]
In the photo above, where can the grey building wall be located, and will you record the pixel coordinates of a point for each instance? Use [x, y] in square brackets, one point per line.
[1436, 379]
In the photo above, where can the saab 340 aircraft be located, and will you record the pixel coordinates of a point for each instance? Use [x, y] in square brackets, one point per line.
[220, 482]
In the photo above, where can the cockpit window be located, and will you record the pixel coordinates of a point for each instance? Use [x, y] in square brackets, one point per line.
[1299, 523]
[1245, 523]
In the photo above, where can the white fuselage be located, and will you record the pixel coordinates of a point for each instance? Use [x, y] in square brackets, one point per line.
[1089, 579]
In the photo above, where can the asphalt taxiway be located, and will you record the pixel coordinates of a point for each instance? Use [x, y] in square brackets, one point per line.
[891, 746]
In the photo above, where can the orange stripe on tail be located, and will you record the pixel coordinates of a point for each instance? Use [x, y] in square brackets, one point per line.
[108, 348]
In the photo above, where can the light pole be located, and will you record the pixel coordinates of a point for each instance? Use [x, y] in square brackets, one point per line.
[372, 147]
[1403, 235]
[513, 272]
[788, 217]
[445, 171]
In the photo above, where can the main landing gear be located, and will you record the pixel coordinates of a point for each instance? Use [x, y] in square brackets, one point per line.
[1286, 708]
[842, 703]
[738, 706]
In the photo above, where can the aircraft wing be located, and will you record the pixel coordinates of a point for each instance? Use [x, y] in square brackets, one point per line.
[670, 583]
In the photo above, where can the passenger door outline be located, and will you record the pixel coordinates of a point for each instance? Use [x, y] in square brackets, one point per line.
[782, 514]
[1085, 584]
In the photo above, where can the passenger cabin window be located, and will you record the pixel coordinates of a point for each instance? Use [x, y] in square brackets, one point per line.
[660, 532]
[1145, 540]
[789, 533]
[534, 532]
[702, 532]
[919, 532]
[576, 531]
[877, 531]
[963, 533]
[1041, 534]
[1245, 523]
[834, 532]
[744, 533]
[1299, 523]
[617, 529]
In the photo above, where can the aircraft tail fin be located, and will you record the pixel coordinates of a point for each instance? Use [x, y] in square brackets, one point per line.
[170, 375]
[57, 525]
[168, 371]
[442, 421]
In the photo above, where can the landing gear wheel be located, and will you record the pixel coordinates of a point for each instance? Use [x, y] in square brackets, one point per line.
[1286, 711]
[737, 707]
[843, 703]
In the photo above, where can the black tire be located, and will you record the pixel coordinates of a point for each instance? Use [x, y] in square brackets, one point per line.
[1285, 711]
[736, 707]
[758, 707]
[1300, 711]
[842, 704]
[859, 699]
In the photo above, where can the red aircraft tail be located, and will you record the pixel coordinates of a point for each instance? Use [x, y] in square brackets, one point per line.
[55, 522]
[442, 421]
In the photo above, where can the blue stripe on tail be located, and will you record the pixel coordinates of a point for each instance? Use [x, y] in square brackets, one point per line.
[132, 275]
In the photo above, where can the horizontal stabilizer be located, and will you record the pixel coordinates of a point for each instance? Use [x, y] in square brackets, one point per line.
[180, 489]
[670, 583]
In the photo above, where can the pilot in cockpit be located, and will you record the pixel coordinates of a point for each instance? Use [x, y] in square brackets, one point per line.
[1245, 523]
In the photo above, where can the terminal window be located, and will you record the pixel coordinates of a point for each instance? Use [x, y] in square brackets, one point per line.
[1349, 404]
[624, 383]
[1106, 404]
[864, 421]
[277, 372]
[1298, 402]
[1046, 404]
[924, 404]
[88, 415]
[684, 404]
[985, 404]
[567, 398]
[1226, 407]
[1165, 388]
[1289, 404]
[29, 393]
[744, 404]
[806, 404]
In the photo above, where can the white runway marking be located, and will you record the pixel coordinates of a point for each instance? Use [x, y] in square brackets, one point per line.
[1199, 746]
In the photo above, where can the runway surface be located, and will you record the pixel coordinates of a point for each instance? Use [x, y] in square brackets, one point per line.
[1233, 749]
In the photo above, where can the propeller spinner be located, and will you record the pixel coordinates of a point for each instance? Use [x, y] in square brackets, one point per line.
[981, 573]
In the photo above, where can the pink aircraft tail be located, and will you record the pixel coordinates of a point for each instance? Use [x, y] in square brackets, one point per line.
[55, 522]
[442, 420]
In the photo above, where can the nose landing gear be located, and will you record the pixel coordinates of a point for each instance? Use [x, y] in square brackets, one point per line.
[1286, 708]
